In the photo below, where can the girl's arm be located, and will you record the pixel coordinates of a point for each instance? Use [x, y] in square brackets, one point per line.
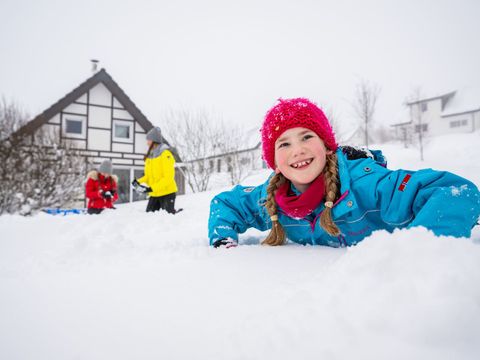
[443, 202]
[92, 190]
[233, 212]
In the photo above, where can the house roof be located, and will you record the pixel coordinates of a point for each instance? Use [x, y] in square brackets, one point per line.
[444, 97]
[100, 77]
[402, 124]
[466, 101]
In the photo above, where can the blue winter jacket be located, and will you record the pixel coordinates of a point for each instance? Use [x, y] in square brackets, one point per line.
[372, 198]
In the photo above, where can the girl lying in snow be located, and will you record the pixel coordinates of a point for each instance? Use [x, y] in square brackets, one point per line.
[323, 194]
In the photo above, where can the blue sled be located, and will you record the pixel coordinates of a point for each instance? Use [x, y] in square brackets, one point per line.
[57, 211]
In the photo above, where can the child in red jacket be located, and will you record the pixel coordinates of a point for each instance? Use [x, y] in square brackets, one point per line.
[101, 188]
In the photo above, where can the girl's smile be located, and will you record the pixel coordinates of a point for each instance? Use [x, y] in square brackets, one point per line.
[300, 155]
[302, 164]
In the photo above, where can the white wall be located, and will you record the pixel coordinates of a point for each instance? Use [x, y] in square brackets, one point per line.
[98, 139]
[122, 114]
[122, 147]
[99, 95]
[446, 124]
[141, 143]
[76, 109]
[99, 117]
[117, 104]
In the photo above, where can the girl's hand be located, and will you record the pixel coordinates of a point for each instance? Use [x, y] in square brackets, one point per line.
[227, 243]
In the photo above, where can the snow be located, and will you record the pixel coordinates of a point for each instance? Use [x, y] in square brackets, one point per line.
[467, 98]
[132, 285]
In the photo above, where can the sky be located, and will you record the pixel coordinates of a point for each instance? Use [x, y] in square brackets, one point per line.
[235, 58]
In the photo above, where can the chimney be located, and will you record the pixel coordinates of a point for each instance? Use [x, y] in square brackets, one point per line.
[94, 65]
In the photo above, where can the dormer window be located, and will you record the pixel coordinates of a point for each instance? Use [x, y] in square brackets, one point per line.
[123, 131]
[424, 106]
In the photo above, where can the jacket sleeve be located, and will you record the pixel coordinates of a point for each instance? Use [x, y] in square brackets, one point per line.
[92, 189]
[233, 212]
[144, 178]
[443, 202]
[166, 164]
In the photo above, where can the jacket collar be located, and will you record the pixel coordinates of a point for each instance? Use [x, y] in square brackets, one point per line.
[347, 202]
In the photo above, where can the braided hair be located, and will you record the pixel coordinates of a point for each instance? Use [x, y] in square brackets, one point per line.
[277, 234]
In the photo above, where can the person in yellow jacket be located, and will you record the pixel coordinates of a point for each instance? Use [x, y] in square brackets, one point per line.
[158, 179]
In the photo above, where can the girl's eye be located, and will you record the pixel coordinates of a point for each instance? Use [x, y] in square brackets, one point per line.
[307, 136]
[284, 144]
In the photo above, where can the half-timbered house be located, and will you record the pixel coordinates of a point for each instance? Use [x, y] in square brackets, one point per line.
[99, 119]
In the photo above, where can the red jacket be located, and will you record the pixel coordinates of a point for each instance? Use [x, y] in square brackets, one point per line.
[96, 186]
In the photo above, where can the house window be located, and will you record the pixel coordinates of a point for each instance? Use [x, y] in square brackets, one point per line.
[74, 127]
[211, 164]
[229, 164]
[123, 131]
[423, 127]
[424, 106]
[219, 165]
[458, 123]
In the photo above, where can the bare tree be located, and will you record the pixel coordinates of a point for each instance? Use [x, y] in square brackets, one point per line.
[37, 171]
[416, 115]
[333, 119]
[366, 97]
[232, 141]
[195, 135]
[382, 134]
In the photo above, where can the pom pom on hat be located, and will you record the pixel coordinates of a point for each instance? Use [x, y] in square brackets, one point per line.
[291, 113]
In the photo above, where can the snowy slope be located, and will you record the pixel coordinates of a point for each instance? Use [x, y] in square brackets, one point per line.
[132, 285]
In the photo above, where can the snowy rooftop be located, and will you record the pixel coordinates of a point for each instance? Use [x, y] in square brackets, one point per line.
[465, 99]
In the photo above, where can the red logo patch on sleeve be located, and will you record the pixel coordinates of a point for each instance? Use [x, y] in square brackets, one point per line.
[405, 180]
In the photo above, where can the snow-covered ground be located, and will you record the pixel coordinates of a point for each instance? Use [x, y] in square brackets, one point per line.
[132, 285]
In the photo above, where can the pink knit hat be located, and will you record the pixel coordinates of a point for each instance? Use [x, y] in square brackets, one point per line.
[291, 113]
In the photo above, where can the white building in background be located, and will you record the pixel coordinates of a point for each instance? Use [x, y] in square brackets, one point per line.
[249, 153]
[453, 112]
[101, 120]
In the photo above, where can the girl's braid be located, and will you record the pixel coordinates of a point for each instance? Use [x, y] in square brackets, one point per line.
[331, 194]
[277, 234]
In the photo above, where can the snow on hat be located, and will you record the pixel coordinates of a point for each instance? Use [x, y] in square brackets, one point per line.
[155, 135]
[106, 167]
[291, 113]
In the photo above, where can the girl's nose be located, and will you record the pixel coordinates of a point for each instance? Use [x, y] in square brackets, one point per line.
[298, 149]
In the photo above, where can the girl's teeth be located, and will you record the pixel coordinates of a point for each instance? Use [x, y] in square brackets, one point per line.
[303, 163]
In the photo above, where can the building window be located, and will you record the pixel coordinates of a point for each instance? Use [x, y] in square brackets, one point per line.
[458, 123]
[211, 164]
[423, 127]
[219, 165]
[229, 164]
[424, 106]
[123, 131]
[74, 127]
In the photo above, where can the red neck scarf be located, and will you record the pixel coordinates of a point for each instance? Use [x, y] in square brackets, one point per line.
[299, 206]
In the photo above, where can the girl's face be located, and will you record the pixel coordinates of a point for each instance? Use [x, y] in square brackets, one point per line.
[300, 155]
[149, 143]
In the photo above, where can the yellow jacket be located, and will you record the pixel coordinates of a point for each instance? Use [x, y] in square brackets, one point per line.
[160, 172]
